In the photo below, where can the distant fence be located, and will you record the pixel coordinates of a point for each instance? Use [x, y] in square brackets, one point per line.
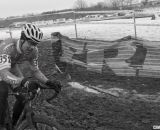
[78, 19]
[126, 23]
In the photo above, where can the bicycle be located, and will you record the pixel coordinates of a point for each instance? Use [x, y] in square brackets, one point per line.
[28, 120]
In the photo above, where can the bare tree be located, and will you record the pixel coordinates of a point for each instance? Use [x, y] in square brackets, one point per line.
[126, 3]
[129, 2]
[100, 5]
[108, 3]
[80, 4]
[115, 4]
[144, 2]
[121, 3]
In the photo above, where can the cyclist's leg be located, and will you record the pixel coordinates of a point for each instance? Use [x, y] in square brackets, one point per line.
[17, 108]
[3, 102]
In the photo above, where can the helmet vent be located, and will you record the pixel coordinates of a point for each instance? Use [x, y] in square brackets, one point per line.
[29, 25]
[40, 35]
[36, 33]
[28, 32]
[34, 27]
[32, 32]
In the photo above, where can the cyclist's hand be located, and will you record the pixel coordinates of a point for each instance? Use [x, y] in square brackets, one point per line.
[29, 84]
[56, 85]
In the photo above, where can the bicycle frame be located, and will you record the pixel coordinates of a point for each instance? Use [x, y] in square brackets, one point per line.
[8, 120]
[27, 114]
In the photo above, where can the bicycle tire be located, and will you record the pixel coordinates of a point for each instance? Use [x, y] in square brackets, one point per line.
[42, 120]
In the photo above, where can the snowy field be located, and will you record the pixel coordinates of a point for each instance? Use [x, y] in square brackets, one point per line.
[102, 30]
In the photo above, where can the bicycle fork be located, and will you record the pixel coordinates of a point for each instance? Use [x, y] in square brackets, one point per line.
[27, 114]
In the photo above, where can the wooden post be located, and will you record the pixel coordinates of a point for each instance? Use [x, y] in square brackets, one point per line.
[135, 31]
[75, 23]
[10, 32]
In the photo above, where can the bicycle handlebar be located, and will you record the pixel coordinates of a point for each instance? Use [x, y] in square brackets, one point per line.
[53, 95]
[30, 95]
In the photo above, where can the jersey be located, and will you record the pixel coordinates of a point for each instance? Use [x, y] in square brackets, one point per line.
[11, 56]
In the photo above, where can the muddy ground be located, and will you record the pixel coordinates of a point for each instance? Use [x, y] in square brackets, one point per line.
[79, 110]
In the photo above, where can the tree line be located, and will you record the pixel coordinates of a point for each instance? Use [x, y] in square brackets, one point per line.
[116, 4]
[81, 5]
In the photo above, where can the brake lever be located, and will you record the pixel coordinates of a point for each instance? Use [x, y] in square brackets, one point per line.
[42, 86]
[52, 97]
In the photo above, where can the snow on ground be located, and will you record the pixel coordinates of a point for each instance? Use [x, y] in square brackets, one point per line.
[117, 92]
[131, 21]
[101, 30]
[82, 87]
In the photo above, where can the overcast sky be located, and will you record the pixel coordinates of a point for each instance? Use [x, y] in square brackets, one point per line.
[20, 7]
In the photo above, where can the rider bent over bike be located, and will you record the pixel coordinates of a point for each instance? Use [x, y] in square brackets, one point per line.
[14, 53]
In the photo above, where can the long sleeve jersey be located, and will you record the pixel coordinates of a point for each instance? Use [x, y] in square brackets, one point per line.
[11, 58]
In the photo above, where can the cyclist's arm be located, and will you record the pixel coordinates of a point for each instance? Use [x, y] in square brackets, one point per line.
[33, 63]
[17, 71]
[36, 71]
[40, 76]
[8, 77]
[5, 74]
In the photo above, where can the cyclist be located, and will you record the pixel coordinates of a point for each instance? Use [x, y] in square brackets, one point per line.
[14, 55]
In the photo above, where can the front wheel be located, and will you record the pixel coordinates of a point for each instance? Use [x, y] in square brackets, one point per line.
[41, 123]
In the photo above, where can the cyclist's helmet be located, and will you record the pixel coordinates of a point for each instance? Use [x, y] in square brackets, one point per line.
[32, 33]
